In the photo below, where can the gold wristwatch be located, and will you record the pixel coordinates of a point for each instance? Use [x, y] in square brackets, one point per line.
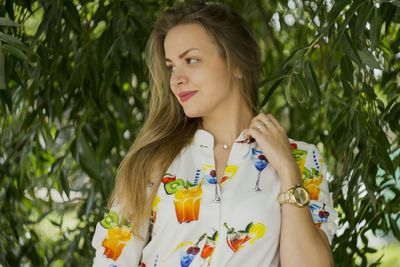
[297, 196]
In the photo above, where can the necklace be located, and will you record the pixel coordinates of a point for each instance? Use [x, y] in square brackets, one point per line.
[225, 146]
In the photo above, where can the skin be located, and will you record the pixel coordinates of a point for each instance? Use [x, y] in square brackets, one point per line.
[196, 65]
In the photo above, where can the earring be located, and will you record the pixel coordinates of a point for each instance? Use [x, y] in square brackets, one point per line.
[239, 76]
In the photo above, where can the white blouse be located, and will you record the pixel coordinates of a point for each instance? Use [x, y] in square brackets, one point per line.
[199, 222]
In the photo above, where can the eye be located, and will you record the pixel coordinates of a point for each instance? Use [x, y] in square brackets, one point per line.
[191, 60]
[170, 68]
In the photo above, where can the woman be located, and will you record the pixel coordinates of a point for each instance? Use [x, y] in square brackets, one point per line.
[208, 181]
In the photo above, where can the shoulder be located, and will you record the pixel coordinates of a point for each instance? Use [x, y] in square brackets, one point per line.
[303, 147]
[307, 156]
[299, 144]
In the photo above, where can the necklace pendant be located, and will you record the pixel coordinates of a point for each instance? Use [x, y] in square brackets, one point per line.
[225, 146]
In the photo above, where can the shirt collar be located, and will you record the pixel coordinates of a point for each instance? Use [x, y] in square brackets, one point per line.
[204, 138]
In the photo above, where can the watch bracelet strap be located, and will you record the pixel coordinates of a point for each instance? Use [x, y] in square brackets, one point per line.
[284, 197]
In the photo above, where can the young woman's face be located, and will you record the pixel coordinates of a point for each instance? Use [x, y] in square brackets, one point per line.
[199, 74]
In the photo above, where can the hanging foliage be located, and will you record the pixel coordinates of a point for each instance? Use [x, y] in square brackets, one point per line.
[73, 93]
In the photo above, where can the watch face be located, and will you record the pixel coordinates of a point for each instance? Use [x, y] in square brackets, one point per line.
[301, 195]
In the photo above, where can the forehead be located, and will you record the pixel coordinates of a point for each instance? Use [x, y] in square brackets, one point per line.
[183, 37]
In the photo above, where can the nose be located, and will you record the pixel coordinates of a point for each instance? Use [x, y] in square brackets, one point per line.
[178, 77]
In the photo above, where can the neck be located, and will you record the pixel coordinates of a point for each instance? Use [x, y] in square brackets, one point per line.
[226, 129]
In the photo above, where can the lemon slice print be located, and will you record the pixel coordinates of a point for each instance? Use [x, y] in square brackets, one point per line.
[256, 231]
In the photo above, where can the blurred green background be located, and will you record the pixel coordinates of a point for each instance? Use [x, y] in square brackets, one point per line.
[74, 89]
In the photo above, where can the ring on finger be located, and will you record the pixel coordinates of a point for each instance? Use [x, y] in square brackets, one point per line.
[260, 125]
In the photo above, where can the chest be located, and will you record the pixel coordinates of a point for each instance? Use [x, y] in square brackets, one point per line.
[190, 217]
[221, 157]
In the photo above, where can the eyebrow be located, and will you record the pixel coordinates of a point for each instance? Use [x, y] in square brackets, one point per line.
[183, 54]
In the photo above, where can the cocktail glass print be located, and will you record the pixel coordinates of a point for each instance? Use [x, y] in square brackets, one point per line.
[211, 177]
[208, 249]
[190, 253]
[236, 239]
[187, 204]
[260, 162]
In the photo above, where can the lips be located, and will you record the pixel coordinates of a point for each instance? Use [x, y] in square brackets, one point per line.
[186, 95]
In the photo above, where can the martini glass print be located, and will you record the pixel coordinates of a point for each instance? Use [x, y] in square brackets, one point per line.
[211, 177]
[260, 162]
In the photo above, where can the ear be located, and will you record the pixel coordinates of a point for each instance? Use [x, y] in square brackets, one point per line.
[237, 73]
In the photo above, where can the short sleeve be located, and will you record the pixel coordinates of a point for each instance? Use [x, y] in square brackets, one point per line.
[315, 181]
[115, 244]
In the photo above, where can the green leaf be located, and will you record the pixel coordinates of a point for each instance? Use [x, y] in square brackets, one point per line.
[363, 15]
[375, 29]
[87, 159]
[89, 202]
[343, 26]
[8, 22]
[349, 49]
[2, 71]
[288, 91]
[72, 16]
[276, 82]
[394, 227]
[15, 42]
[123, 46]
[300, 84]
[347, 69]
[312, 82]
[6, 98]
[12, 50]
[382, 156]
[29, 118]
[294, 57]
[338, 7]
[369, 59]
[64, 182]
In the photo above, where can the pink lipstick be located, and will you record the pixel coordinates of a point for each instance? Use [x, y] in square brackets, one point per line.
[186, 95]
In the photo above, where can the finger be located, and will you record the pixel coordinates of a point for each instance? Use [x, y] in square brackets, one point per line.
[260, 126]
[266, 120]
[255, 133]
[269, 123]
[275, 122]
[247, 134]
[269, 119]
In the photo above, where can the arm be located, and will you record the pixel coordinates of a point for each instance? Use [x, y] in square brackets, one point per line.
[303, 243]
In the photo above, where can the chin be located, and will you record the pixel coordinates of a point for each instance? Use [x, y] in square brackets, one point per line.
[193, 113]
[192, 116]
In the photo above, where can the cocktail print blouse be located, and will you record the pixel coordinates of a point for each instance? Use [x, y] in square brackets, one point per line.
[197, 221]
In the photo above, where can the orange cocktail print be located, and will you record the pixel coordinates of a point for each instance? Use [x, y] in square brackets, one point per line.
[208, 249]
[118, 234]
[313, 186]
[115, 241]
[187, 204]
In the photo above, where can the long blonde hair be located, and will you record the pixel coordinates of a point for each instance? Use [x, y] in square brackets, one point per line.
[167, 129]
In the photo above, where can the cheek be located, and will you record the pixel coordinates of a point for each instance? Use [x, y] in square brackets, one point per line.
[172, 88]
